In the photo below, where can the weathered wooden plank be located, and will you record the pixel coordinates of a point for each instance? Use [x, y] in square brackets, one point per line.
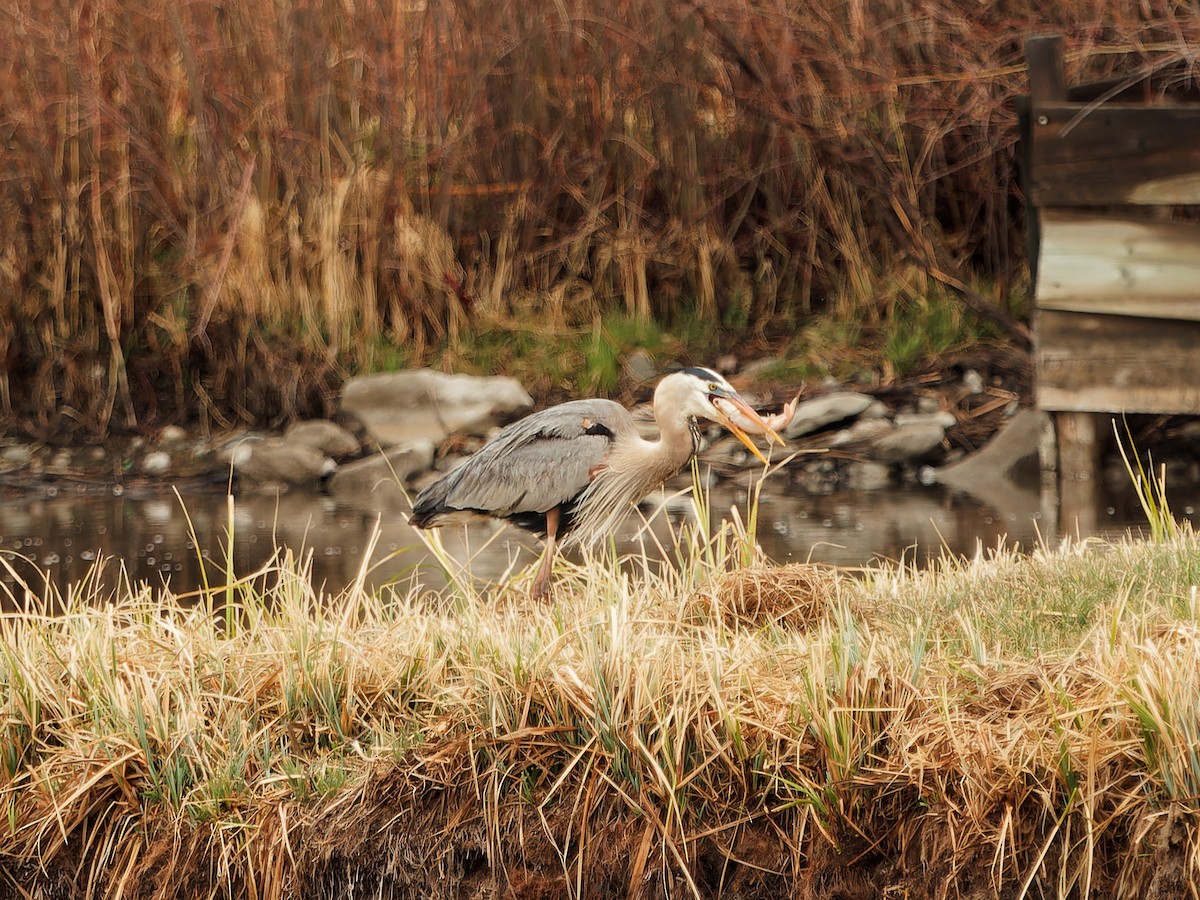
[1115, 153]
[1101, 363]
[1047, 84]
[1119, 265]
[1047, 75]
[1173, 81]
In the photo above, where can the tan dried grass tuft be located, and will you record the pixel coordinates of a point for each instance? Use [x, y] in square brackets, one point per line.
[793, 596]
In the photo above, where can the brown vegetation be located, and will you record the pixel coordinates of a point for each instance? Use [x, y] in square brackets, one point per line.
[789, 596]
[216, 210]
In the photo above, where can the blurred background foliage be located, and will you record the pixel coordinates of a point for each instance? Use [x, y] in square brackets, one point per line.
[216, 211]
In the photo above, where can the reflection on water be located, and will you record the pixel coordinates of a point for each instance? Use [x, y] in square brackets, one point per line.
[162, 538]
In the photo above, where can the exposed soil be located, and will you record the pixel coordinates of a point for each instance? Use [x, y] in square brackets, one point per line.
[421, 833]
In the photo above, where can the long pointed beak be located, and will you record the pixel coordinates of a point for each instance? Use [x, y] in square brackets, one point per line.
[747, 412]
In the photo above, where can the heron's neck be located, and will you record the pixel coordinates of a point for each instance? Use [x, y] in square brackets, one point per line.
[679, 438]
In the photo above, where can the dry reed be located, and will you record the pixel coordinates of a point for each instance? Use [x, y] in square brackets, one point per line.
[219, 209]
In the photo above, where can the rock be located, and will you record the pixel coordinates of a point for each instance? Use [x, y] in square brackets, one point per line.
[328, 437]
[1011, 457]
[943, 418]
[1006, 472]
[171, 435]
[728, 451]
[275, 462]
[156, 463]
[420, 404]
[825, 410]
[868, 476]
[861, 432]
[16, 455]
[382, 475]
[640, 367]
[877, 410]
[908, 444]
[818, 477]
[236, 445]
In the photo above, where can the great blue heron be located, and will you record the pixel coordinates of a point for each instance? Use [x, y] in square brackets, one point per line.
[577, 468]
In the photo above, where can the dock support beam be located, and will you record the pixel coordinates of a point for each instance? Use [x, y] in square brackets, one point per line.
[1078, 471]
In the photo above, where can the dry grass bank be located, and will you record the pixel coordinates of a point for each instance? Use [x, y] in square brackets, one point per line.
[218, 209]
[1004, 727]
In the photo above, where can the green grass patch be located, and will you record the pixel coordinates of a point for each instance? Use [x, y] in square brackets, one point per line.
[553, 359]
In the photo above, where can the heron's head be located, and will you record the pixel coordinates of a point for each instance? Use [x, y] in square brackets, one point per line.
[702, 393]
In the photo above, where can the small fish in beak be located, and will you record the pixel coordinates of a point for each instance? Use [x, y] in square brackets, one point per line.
[741, 419]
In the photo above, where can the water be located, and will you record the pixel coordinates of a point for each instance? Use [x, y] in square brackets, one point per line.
[160, 538]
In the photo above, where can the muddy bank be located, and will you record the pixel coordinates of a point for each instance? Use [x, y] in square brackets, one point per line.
[422, 831]
[868, 437]
[848, 437]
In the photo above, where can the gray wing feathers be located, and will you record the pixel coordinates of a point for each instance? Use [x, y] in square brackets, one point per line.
[536, 477]
[536, 463]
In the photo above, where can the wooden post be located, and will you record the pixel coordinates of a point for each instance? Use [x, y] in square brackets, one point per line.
[1047, 84]
[1077, 456]
[1078, 463]
[1047, 76]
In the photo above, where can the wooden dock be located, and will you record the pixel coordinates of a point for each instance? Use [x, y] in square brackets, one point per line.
[1115, 259]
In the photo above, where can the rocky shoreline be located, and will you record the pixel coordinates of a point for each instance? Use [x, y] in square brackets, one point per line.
[396, 431]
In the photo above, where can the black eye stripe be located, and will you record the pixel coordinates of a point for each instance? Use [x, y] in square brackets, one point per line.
[706, 375]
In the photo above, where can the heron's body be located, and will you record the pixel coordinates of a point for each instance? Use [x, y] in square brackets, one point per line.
[577, 468]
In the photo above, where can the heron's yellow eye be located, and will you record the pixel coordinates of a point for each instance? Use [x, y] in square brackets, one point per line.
[713, 386]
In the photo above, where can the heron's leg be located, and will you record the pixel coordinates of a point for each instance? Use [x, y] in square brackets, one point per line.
[541, 584]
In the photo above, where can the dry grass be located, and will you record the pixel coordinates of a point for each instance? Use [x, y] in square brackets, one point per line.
[791, 596]
[219, 209]
[1005, 727]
